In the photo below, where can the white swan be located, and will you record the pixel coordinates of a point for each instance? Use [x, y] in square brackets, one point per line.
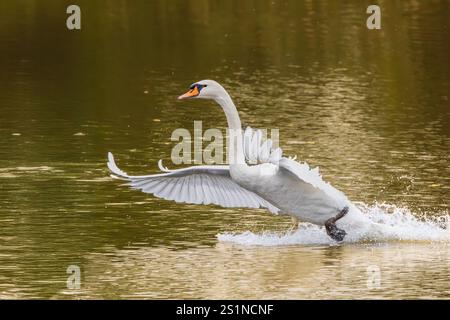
[277, 183]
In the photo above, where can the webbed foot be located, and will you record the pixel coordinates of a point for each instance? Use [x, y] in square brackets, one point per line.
[332, 230]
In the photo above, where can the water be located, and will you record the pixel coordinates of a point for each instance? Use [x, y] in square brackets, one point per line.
[370, 108]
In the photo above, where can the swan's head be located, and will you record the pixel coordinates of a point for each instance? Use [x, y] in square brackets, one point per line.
[205, 89]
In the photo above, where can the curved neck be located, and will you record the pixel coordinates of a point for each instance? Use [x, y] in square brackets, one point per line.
[235, 148]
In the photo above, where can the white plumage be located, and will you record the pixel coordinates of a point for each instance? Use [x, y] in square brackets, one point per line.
[258, 176]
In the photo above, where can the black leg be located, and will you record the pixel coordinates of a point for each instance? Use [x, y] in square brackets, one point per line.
[332, 230]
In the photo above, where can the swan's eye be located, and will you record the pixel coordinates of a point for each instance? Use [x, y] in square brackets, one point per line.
[198, 86]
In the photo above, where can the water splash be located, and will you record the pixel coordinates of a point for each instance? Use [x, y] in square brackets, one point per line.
[382, 223]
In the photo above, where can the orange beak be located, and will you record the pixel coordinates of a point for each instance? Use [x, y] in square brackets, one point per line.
[190, 94]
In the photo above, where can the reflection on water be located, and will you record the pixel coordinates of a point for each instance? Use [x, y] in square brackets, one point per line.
[362, 271]
[370, 108]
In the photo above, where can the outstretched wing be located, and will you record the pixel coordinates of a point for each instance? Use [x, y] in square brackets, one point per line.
[258, 150]
[196, 185]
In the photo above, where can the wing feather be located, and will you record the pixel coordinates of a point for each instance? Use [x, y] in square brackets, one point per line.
[196, 185]
[312, 176]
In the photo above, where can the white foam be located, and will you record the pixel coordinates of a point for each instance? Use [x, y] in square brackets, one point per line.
[381, 223]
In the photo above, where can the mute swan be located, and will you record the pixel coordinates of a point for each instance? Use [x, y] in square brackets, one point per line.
[279, 184]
